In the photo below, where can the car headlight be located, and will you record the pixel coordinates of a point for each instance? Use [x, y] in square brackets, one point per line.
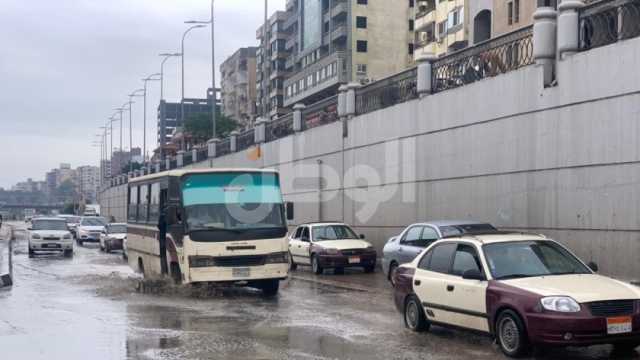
[560, 304]
[67, 237]
[330, 251]
[35, 236]
[277, 258]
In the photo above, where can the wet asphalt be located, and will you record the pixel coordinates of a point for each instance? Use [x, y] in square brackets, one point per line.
[90, 307]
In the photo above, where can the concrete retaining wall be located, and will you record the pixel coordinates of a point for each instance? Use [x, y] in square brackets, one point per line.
[564, 160]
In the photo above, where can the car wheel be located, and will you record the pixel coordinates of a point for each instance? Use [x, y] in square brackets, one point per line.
[393, 267]
[414, 318]
[369, 269]
[176, 274]
[107, 248]
[338, 271]
[269, 287]
[511, 334]
[80, 242]
[315, 265]
[68, 253]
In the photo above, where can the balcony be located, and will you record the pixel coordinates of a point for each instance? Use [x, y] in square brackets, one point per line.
[291, 43]
[339, 33]
[291, 4]
[292, 19]
[338, 57]
[339, 8]
[280, 54]
[425, 20]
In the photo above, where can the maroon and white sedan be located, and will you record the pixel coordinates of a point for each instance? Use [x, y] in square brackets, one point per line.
[524, 290]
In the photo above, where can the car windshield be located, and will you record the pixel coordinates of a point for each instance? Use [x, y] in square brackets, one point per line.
[49, 225]
[93, 221]
[117, 229]
[333, 232]
[531, 258]
[453, 230]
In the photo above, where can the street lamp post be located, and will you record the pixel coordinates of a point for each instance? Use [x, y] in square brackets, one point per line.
[131, 96]
[144, 141]
[162, 105]
[182, 52]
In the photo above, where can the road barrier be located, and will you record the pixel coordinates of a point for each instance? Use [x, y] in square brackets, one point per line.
[7, 279]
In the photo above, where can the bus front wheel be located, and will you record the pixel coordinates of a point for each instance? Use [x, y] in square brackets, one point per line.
[176, 274]
[269, 287]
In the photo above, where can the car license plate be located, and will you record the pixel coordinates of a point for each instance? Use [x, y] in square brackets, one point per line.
[241, 272]
[619, 325]
[354, 260]
[51, 246]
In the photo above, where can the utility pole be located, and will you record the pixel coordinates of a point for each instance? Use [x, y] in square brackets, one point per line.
[214, 105]
[265, 69]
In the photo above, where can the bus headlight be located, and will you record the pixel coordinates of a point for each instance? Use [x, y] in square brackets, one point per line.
[35, 236]
[277, 258]
[201, 261]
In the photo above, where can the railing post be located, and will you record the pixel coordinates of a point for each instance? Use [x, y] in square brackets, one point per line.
[342, 101]
[259, 134]
[425, 71]
[297, 117]
[569, 27]
[180, 159]
[194, 156]
[544, 41]
[167, 162]
[351, 99]
[233, 141]
[212, 145]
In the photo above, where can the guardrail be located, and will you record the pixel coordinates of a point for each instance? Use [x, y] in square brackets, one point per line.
[387, 92]
[279, 128]
[246, 140]
[606, 22]
[490, 58]
[223, 147]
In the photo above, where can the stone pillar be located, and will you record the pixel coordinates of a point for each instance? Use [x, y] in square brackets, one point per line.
[298, 124]
[194, 156]
[180, 159]
[424, 82]
[167, 163]
[260, 134]
[569, 27]
[342, 101]
[157, 166]
[351, 99]
[211, 147]
[233, 140]
[544, 41]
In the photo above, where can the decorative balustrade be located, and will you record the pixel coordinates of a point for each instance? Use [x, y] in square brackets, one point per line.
[490, 58]
[223, 147]
[606, 22]
[393, 90]
[246, 140]
[279, 128]
[321, 113]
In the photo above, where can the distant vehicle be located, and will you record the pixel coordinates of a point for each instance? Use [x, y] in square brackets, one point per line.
[91, 210]
[414, 238]
[524, 290]
[50, 234]
[29, 214]
[90, 229]
[330, 246]
[72, 223]
[113, 237]
[223, 225]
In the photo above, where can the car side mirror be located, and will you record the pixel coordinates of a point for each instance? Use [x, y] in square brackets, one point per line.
[473, 274]
[362, 236]
[593, 266]
[290, 211]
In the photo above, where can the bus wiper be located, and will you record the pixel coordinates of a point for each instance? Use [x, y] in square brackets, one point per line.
[216, 228]
[514, 276]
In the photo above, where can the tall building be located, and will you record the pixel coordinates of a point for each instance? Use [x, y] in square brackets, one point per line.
[169, 114]
[238, 86]
[271, 66]
[120, 159]
[332, 42]
[88, 182]
[511, 15]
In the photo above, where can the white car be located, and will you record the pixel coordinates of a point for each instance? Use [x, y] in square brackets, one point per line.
[330, 245]
[90, 229]
[50, 234]
[113, 237]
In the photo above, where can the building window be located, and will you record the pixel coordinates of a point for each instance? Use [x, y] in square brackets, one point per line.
[411, 25]
[442, 29]
[361, 69]
[361, 22]
[516, 11]
[410, 49]
[411, 2]
[361, 46]
[510, 13]
[363, 2]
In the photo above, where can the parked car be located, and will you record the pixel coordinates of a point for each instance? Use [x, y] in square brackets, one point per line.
[524, 290]
[330, 246]
[50, 234]
[405, 247]
[90, 229]
[113, 237]
[72, 223]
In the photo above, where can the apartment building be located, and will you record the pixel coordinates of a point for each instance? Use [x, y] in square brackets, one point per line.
[271, 71]
[169, 114]
[444, 26]
[238, 86]
[88, 181]
[332, 42]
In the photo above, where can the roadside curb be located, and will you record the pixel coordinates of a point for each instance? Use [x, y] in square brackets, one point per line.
[6, 279]
[335, 284]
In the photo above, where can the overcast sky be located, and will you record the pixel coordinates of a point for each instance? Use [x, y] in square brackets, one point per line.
[66, 64]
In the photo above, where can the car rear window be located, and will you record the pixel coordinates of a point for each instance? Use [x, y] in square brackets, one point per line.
[60, 225]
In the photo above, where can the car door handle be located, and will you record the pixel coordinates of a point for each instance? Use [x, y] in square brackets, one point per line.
[417, 282]
[450, 287]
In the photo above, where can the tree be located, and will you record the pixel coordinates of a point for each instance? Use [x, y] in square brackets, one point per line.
[133, 166]
[200, 128]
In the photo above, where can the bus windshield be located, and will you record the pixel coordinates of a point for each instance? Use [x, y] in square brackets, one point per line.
[233, 203]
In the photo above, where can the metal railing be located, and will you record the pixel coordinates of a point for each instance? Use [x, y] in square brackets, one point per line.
[246, 140]
[223, 147]
[608, 21]
[393, 90]
[323, 112]
[490, 58]
[279, 128]
[203, 153]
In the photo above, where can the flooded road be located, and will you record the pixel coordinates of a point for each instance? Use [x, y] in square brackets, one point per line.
[88, 308]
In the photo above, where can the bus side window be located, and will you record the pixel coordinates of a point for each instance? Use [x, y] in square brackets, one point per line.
[154, 203]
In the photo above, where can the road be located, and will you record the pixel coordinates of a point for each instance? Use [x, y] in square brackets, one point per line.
[88, 307]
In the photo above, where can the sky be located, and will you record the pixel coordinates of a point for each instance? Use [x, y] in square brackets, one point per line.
[65, 65]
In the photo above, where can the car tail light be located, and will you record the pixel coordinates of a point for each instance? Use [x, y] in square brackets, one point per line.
[277, 258]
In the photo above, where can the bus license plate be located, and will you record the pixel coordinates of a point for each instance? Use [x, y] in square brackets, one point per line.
[241, 272]
[354, 260]
[618, 325]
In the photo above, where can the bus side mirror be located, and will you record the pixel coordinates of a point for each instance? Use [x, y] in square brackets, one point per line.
[290, 211]
[172, 215]
[593, 266]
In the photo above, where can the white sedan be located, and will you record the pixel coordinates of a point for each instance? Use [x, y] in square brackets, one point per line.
[50, 234]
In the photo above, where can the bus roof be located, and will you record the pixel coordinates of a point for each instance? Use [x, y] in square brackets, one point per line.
[182, 172]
